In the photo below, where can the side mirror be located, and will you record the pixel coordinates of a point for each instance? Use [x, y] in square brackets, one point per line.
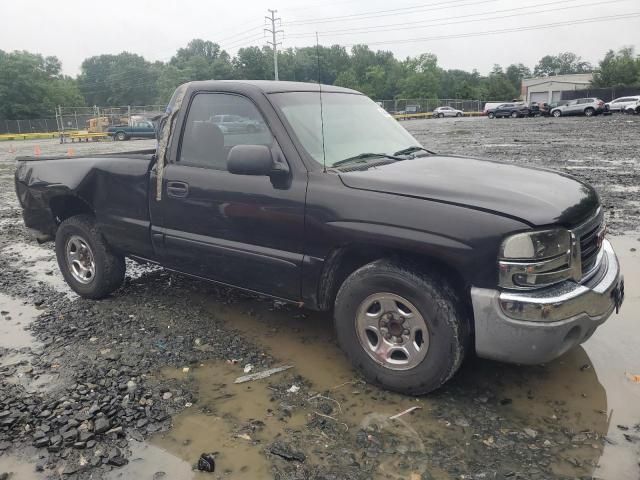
[250, 160]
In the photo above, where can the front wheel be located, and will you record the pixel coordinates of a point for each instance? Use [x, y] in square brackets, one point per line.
[87, 264]
[404, 330]
[459, 114]
[441, 115]
[556, 113]
[514, 115]
[121, 136]
[491, 115]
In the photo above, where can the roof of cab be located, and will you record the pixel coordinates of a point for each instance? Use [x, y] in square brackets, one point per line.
[272, 86]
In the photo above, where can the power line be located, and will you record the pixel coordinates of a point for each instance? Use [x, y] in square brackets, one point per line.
[433, 22]
[391, 12]
[508, 30]
[274, 43]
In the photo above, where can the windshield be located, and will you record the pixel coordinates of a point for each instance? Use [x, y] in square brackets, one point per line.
[353, 125]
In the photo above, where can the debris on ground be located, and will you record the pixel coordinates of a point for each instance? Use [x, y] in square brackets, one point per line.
[404, 412]
[287, 452]
[207, 462]
[263, 374]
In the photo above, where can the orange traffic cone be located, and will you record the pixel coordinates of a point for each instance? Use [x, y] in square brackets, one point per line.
[37, 151]
[70, 152]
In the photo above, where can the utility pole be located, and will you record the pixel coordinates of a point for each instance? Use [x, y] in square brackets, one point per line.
[274, 44]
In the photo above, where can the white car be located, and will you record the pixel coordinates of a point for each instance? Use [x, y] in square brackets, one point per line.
[621, 104]
[633, 108]
[442, 112]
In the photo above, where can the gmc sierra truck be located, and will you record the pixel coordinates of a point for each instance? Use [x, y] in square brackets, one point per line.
[332, 205]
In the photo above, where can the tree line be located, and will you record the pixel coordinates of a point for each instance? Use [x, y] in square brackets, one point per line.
[32, 85]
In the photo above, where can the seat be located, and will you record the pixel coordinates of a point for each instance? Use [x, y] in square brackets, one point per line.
[205, 146]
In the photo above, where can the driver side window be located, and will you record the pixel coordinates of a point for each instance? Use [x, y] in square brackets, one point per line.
[215, 123]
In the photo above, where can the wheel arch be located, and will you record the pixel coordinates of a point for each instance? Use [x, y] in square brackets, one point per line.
[345, 260]
[67, 206]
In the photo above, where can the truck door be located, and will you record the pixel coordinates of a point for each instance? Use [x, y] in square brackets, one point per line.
[241, 230]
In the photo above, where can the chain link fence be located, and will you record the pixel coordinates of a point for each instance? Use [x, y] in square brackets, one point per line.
[424, 105]
[98, 119]
[81, 118]
[40, 125]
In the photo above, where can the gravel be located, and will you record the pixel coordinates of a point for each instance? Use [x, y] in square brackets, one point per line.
[91, 382]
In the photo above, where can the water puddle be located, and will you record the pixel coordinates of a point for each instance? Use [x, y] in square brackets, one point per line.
[15, 321]
[18, 468]
[235, 420]
[615, 355]
[579, 407]
[16, 342]
[153, 463]
[40, 262]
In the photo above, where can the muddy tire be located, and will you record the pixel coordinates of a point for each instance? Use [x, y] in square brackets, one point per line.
[404, 330]
[87, 264]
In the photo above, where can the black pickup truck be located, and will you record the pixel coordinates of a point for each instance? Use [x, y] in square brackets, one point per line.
[421, 257]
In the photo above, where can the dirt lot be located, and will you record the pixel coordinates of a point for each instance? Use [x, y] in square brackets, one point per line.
[139, 385]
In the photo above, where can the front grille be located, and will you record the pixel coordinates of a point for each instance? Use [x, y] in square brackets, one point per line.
[590, 244]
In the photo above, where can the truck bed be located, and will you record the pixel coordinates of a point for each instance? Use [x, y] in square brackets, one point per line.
[113, 186]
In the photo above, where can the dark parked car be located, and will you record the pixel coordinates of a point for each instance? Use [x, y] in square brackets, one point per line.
[513, 110]
[421, 257]
[136, 129]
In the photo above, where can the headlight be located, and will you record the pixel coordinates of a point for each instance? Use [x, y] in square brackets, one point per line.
[538, 259]
[536, 245]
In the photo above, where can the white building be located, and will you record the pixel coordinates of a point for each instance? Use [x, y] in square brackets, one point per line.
[549, 89]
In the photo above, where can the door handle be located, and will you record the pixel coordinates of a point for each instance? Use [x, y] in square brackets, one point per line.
[177, 189]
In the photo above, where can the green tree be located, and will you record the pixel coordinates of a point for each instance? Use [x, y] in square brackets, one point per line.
[254, 63]
[422, 77]
[618, 69]
[123, 79]
[498, 86]
[516, 73]
[562, 64]
[31, 86]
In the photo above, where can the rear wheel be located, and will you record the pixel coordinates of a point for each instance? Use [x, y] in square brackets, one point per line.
[441, 115]
[404, 330]
[459, 114]
[491, 115]
[121, 136]
[87, 264]
[514, 115]
[589, 112]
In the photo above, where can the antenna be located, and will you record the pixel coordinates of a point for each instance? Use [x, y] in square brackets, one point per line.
[324, 153]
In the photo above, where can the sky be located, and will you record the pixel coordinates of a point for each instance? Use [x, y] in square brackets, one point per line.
[464, 34]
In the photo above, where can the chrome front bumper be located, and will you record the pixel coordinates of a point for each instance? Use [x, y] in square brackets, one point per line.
[535, 327]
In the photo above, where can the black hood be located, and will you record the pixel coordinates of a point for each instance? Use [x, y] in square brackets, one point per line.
[537, 197]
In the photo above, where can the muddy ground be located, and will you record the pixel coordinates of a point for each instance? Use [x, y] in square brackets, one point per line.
[139, 385]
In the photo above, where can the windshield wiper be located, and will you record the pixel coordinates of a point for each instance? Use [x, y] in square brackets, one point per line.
[412, 149]
[365, 156]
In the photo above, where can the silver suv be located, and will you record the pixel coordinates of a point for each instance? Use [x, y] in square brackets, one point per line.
[580, 106]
